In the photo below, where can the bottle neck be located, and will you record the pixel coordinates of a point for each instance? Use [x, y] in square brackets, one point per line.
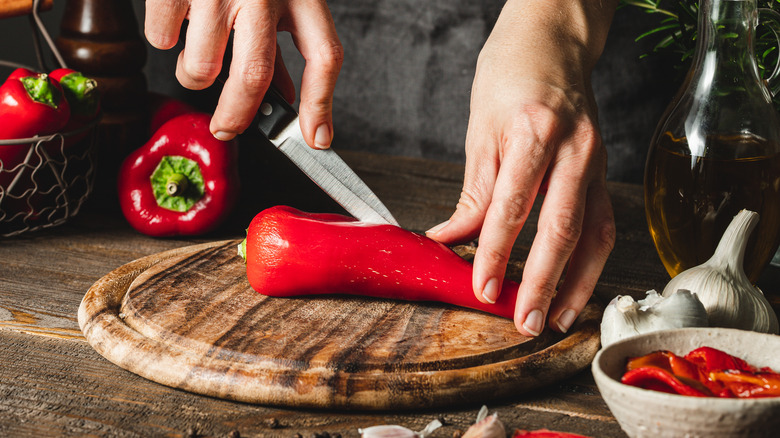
[726, 37]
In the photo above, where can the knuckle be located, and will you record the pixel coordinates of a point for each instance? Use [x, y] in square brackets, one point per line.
[606, 232]
[162, 41]
[257, 74]
[493, 257]
[469, 203]
[201, 72]
[514, 210]
[317, 106]
[565, 229]
[331, 54]
[542, 289]
[232, 124]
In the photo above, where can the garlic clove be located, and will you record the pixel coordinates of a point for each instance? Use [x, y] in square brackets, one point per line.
[396, 431]
[486, 426]
[624, 317]
[728, 296]
[387, 431]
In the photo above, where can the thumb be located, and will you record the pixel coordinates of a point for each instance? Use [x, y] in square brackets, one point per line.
[466, 222]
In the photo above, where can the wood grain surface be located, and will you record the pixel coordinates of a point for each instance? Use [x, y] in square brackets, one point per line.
[13, 8]
[189, 319]
[53, 383]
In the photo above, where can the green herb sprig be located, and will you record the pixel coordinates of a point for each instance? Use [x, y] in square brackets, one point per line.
[675, 32]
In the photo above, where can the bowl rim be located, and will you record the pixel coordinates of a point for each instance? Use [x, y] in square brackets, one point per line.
[603, 379]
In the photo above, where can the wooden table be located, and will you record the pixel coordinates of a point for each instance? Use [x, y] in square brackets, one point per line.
[52, 383]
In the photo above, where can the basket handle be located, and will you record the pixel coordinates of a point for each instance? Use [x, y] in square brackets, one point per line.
[13, 8]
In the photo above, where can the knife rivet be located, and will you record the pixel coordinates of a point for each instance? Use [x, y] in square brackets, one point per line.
[266, 109]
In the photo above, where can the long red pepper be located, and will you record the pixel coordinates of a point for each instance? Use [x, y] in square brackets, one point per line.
[291, 253]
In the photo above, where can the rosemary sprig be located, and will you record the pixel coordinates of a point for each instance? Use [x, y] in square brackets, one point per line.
[675, 32]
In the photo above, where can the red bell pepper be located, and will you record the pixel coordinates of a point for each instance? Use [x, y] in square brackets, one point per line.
[82, 95]
[31, 104]
[162, 108]
[291, 253]
[183, 181]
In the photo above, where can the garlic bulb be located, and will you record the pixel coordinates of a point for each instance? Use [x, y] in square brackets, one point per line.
[625, 317]
[722, 286]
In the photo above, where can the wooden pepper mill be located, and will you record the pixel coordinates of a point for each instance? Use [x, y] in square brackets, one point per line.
[101, 39]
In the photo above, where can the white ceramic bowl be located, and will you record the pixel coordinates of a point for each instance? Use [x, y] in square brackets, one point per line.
[646, 413]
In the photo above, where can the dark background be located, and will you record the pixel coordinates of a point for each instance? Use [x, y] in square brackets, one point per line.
[405, 83]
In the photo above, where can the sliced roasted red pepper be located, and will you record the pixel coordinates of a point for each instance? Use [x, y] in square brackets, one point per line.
[706, 370]
[710, 359]
[685, 371]
[747, 384]
[662, 380]
[183, 181]
[544, 433]
[291, 253]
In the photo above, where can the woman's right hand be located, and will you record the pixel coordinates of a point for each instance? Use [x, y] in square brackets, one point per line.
[256, 60]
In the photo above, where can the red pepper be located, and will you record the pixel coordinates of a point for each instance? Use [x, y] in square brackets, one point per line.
[659, 379]
[82, 95]
[746, 384]
[183, 181]
[704, 370]
[291, 253]
[544, 433]
[711, 359]
[31, 104]
[162, 108]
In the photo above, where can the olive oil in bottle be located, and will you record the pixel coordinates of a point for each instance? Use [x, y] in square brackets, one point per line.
[716, 149]
[689, 201]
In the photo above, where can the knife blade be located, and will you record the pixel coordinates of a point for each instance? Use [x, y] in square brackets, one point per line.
[278, 121]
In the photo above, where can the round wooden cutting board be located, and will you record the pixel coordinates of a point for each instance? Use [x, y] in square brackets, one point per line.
[188, 318]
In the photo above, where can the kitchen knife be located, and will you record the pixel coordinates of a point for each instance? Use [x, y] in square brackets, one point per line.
[278, 121]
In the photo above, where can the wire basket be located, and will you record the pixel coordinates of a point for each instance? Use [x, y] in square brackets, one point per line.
[45, 180]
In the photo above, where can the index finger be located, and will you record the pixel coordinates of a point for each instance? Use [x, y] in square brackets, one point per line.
[251, 71]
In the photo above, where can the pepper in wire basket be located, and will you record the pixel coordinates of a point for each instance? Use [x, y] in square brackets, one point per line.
[31, 104]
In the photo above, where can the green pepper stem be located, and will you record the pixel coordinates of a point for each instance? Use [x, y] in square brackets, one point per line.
[176, 184]
[41, 90]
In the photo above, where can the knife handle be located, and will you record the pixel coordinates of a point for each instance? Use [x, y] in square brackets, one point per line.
[274, 113]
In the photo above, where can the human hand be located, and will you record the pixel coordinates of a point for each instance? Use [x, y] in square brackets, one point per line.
[533, 129]
[256, 57]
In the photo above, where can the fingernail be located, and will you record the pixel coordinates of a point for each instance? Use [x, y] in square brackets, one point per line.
[438, 228]
[490, 291]
[566, 320]
[322, 137]
[533, 322]
[224, 136]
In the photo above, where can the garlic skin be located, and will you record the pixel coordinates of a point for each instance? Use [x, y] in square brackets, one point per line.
[721, 284]
[624, 317]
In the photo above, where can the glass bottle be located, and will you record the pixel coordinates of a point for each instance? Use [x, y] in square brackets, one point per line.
[716, 150]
